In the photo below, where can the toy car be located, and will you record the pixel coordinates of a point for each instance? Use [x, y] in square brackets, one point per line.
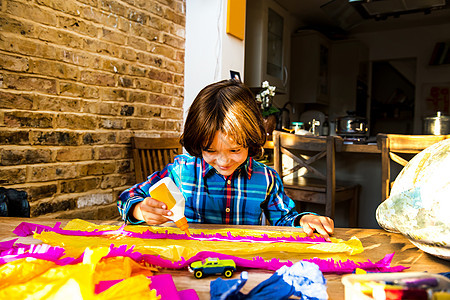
[211, 266]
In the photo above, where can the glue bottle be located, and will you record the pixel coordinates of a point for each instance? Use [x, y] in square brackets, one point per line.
[166, 191]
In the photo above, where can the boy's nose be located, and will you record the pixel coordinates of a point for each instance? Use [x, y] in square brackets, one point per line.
[222, 160]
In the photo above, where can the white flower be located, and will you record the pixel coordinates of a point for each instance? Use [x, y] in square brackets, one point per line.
[265, 96]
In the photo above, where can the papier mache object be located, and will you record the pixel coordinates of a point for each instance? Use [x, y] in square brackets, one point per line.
[166, 191]
[419, 203]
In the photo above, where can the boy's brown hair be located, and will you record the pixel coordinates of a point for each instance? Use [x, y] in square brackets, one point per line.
[227, 106]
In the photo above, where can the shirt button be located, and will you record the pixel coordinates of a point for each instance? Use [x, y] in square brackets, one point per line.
[228, 181]
[227, 210]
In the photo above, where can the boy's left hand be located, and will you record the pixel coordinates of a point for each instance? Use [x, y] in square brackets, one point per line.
[323, 225]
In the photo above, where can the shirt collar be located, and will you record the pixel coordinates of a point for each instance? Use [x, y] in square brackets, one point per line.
[246, 167]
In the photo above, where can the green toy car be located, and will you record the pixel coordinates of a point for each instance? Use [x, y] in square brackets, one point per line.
[211, 266]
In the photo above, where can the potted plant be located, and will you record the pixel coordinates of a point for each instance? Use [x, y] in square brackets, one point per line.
[269, 112]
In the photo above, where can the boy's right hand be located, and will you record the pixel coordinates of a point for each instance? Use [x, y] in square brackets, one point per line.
[151, 211]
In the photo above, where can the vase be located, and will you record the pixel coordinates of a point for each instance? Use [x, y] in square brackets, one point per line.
[270, 122]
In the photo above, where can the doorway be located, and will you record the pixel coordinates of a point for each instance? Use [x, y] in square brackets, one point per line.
[393, 96]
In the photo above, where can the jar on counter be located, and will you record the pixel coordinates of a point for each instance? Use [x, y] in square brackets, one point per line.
[299, 128]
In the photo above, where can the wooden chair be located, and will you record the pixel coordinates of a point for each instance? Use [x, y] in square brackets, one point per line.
[316, 186]
[400, 149]
[153, 154]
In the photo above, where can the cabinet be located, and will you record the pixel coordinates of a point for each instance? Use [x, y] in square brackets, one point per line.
[349, 65]
[310, 80]
[266, 44]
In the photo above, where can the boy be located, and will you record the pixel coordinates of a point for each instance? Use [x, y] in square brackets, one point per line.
[220, 180]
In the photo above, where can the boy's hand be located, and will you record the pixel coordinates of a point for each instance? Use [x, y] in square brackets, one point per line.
[151, 211]
[323, 225]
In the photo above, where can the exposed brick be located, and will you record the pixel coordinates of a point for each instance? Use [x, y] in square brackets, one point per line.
[25, 156]
[157, 124]
[51, 172]
[173, 91]
[124, 166]
[54, 69]
[128, 54]
[162, 100]
[14, 138]
[79, 58]
[70, 7]
[24, 28]
[112, 94]
[31, 12]
[78, 25]
[145, 32]
[16, 101]
[149, 111]
[47, 103]
[111, 153]
[150, 85]
[14, 63]
[28, 119]
[136, 96]
[46, 206]
[126, 82]
[60, 37]
[113, 36]
[36, 192]
[97, 78]
[94, 199]
[171, 114]
[138, 44]
[96, 168]
[160, 75]
[177, 67]
[79, 185]
[76, 76]
[111, 181]
[27, 83]
[174, 125]
[138, 124]
[12, 175]
[114, 7]
[127, 110]
[173, 41]
[74, 154]
[78, 90]
[76, 121]
[113, 66]
[56, 138]
[92, 138]
[104, 18]
[172, 16]
[109, 123]
[138, 71]
[98, 46]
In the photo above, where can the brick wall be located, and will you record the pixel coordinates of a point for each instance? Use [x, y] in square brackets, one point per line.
[77, 80]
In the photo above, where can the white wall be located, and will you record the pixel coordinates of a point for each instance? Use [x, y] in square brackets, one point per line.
[210, 52]
[416, 43]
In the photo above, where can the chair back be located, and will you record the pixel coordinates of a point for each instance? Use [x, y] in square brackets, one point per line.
[305, 151]
[153, 154]
[400, 148]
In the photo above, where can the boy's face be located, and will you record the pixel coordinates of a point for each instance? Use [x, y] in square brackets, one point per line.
[224, 154]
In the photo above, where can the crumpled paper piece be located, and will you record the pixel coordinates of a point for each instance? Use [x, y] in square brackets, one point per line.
[77, 234]
[39, 279]
[303, 279]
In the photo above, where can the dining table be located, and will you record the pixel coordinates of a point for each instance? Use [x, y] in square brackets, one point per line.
[376, 242]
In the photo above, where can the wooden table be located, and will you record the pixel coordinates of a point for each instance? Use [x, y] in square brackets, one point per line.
[377, 243]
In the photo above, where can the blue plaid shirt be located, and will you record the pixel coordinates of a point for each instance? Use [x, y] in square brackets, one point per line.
[214, 199]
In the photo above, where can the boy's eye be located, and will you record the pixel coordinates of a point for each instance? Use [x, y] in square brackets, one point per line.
[209, 150]
[236, 150]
